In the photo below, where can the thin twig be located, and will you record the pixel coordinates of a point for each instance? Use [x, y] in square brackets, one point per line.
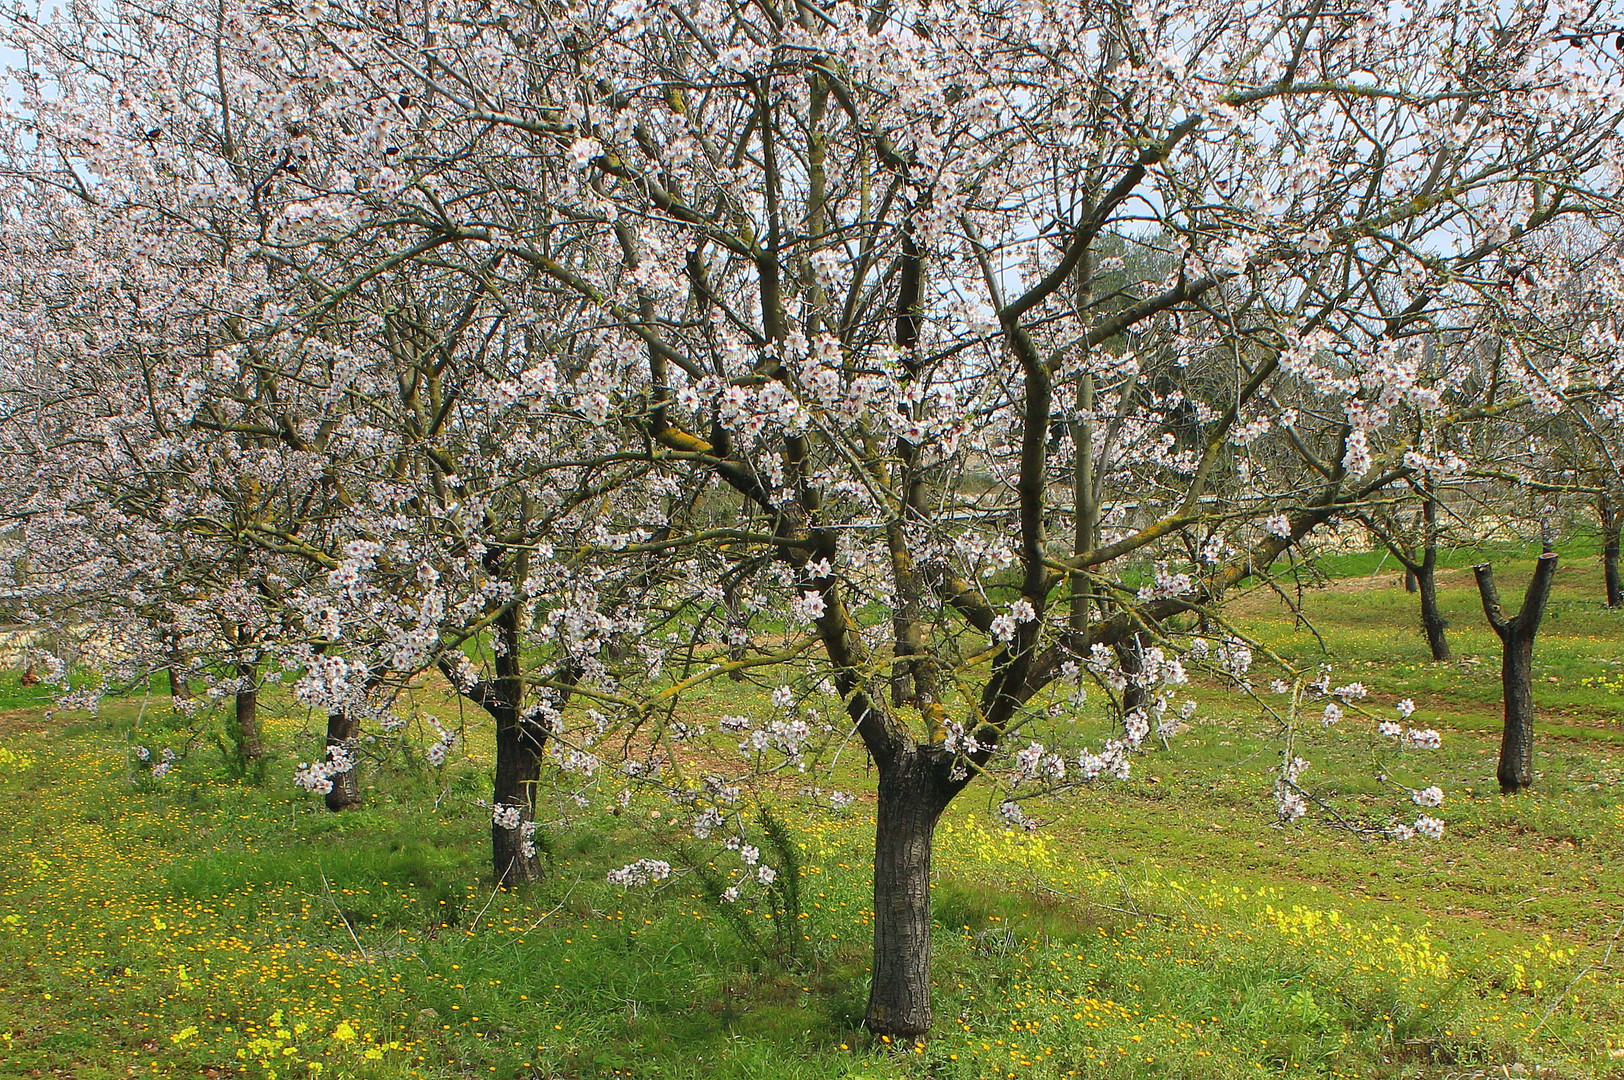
[500, 880]
[1606, 959]
[556, 908]
[1126, 892]
[345, 919]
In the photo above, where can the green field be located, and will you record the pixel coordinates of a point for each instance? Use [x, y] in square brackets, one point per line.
[1160, 927]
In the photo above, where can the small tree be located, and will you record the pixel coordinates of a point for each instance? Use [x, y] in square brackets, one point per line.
[1516, 634]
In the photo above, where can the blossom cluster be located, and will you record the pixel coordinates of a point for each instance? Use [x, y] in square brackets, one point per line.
[158, 768]
[641, 872]
[317, 777]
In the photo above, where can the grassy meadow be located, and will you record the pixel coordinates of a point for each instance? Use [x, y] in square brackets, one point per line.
[204, 926]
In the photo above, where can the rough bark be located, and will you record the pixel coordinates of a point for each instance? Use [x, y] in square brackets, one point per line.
[1516, 768]
[247, 714]
[913, 792]
[518, 767]
[1412, 581]
[342, 731]
[1516, 633]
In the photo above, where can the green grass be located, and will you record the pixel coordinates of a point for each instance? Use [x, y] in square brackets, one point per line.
[1163, 927]
[1369, 628]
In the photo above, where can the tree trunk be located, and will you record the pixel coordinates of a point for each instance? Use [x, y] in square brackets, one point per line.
[342, 732]
[736, 623]
[1516, 769]
[1612, 525]
[518, 767]
[1432, 619]
[1411, 582]
[1426, 574]
[514, 858]
[1130, 652]
[913, 792]
[179, 690]
[248, 740]
[1516, 634]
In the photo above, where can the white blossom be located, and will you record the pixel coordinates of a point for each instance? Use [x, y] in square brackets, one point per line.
[1426, 739]
[1290, 805]
[641, 872]
[1431, 796]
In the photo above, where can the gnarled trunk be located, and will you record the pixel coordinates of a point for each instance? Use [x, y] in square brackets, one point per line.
[1516, 633]
[519, 742]
[913, 792]
[1516, 769]
[342, 732]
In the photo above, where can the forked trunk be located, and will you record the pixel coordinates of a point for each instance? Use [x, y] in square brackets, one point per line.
[342, 732]
[913, 792]
[247, 714]
[1516, 634]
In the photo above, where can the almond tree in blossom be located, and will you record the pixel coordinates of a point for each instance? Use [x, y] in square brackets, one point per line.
[849, 260]
[138, 523]
[244, 426]
[957, 343]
